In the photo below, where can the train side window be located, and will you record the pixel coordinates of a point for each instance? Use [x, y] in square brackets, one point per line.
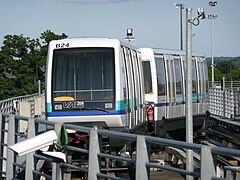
[203, 80]
[201, 84]
[206, 76]
[147, 77]
[138, 84]
[132, 66]
[194, 76]
[169, 79]
[178, 76]
[161, 76]
[184, 75]
[200, 77]
[139, 67]
[173, 80]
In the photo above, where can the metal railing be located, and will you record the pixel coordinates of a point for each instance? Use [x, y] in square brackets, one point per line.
[10, 105]
[30, 166]
[228, 84]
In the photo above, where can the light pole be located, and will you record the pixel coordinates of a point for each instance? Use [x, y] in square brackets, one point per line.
[212, 17]
[188, 107]
[180, 7]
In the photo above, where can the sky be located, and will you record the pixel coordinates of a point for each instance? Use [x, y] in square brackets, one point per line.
[155, 23]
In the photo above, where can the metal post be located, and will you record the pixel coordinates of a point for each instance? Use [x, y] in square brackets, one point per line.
[207, 163]
[94, 149]
[10, 153]
[142, 172]
[2, 126]
[212, 52]
[223, 84]
[212, 17]
[181, 26]
[181, 7]
[224, 96]
[231, 72]
[56, 170]
[29, 156]
[189, 117]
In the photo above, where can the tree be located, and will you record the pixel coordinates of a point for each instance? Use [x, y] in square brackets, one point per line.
[225, 67]
[22, 63]
[217, 74]
[48, 36]
[236, 74]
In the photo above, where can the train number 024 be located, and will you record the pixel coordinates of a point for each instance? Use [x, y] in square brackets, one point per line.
[62, 45]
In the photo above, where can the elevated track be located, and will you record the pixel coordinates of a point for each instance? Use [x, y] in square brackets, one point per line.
[216, 154]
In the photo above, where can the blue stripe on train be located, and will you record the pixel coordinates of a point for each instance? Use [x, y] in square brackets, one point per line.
[177, 103]
[85, 113]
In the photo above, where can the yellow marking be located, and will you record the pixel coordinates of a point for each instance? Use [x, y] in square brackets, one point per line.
[64, 98]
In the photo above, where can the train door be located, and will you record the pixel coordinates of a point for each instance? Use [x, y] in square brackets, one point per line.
[148, 66]
[178, 83]
[161, 87]
[206, 85]
[141, 87]
[199, 84]
[139, 79]
[128, 90]
[132, 87]
[171, 86]
[195, 96]
[136, 87]
[183, 61]
[166, 58]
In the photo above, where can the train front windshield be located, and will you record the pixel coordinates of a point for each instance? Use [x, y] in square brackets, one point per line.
[83, 79]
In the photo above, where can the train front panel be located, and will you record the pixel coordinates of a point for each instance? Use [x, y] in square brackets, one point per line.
[83, 83]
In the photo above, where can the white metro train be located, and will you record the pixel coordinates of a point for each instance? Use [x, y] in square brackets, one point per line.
[107, 83]
[165, 82]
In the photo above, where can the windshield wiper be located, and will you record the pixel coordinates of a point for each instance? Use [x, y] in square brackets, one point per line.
[94, 108]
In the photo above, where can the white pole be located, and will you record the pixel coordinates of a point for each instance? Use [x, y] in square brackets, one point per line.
[181, 7]
[212, 48]
[212, 17]
[189, 117]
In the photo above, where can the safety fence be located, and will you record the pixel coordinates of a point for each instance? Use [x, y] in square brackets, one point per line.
[29, 105]
[227, 84]
[30, 166]
[224, 102]
[10, 105]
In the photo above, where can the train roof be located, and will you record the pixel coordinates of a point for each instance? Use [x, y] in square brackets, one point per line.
[169, 51]
[106, 42]
[99, 41]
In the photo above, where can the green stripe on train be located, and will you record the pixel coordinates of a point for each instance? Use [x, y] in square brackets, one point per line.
[121, 105]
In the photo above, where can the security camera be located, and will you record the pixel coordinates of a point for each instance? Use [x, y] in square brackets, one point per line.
[57, 156]
[129, 34]
[36, 143]
[201, 13]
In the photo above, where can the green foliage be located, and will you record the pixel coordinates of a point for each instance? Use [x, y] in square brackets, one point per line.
[228, 67]
[48, 36]
[22, 63]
